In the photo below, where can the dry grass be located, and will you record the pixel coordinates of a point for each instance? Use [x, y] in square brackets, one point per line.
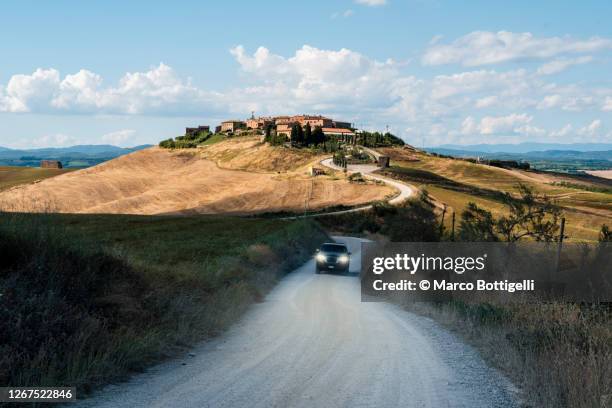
[585, 211]
[160, 181]
[559, 354]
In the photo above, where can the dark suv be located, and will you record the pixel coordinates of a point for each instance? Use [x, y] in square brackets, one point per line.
[332, 257]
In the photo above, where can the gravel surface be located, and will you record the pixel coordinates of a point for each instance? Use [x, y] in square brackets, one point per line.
[312, 343]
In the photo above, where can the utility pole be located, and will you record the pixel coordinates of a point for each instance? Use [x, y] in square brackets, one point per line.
[453, 227]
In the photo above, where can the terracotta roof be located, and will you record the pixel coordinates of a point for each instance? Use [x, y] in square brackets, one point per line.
[337, 130]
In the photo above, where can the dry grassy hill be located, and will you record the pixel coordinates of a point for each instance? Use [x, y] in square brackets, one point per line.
[457, 182]
[236, 176]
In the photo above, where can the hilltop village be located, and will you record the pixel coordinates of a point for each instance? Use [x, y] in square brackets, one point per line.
[296, 131]
[280, 125]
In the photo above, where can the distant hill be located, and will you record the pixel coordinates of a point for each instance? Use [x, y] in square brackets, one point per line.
[525, 147]
[560, 160]
[73, 156]
[531, 155]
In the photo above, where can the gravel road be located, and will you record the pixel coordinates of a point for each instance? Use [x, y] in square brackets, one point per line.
[312, 343]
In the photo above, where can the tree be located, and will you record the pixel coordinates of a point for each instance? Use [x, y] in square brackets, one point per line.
[605, 235]
[477, 225]
[268, 133]
[297, 135]
[308, 135]
[531, 216]
[318, 137]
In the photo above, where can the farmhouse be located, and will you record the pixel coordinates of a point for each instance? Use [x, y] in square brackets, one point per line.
[258, 123]
[195, 130]
[51, 164]
[232, 125]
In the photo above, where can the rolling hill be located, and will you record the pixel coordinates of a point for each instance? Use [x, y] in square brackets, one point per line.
[586, 200]
[235, 176]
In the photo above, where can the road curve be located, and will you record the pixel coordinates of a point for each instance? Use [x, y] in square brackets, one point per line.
[405, 190]
[312, 343]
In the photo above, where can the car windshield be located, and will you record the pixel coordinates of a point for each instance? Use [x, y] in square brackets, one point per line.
[333, 248]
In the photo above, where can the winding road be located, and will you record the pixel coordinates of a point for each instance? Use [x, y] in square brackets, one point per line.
[313, 343]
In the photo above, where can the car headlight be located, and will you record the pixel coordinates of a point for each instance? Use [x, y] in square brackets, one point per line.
[321, 258]
[343, 258]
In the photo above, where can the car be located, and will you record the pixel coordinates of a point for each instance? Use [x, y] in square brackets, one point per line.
[332, 256]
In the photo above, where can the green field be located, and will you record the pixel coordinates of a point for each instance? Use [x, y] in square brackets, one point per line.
[11, 176]
[87, 299]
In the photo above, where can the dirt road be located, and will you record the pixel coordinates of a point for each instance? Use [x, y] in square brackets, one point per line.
[312, 343]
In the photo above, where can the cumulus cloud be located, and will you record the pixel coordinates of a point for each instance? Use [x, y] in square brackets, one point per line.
[322, 78]
[607, 106]
[501, 125]
[591, 129]
[153, 91]
[484, 48]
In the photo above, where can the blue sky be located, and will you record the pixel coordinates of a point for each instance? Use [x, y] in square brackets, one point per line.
[436, 72]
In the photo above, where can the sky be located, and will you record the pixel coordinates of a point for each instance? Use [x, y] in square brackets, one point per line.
[433, 71]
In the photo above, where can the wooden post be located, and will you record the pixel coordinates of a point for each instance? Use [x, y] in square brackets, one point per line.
[442, 221]
[562, 233]
[453, 227]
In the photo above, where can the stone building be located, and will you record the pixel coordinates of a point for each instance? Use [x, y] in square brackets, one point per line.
[232, 125]
[51, 164]
[192, 131]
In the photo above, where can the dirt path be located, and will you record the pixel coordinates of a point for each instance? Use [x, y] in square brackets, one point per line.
[313, 343]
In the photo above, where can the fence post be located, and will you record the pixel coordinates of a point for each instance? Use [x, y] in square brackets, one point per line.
[562, 233]
[453, 227]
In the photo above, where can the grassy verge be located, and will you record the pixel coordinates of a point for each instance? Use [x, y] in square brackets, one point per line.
[559, 354]
[90, 298]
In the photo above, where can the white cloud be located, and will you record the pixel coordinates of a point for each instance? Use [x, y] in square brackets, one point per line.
[27, 92]
[561, 64]
[569, 101]
[323, 79]
[158, 90]
[607, 106]
[591, 129]
[563, 132]
[119, 137]
[484, 47]
[371, 3]
[487, 101]
[501, 125]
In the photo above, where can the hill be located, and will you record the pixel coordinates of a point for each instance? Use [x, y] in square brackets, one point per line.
[235, 176]
[586, 200]
[73, 156]
[526, 147]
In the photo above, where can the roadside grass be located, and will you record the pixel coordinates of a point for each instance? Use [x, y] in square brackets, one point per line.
[559, 354]
[91, 298]
[11, 176]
